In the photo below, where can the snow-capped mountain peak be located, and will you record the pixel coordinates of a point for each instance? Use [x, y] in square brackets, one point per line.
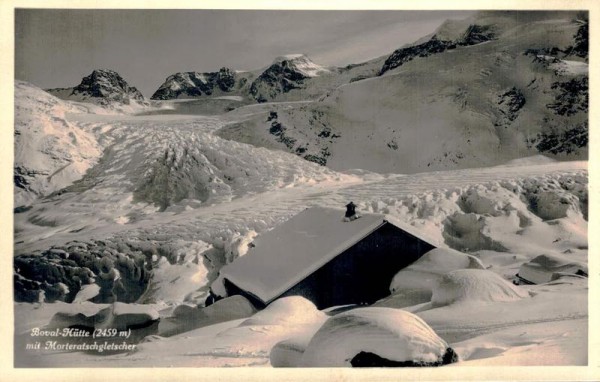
[301, 63]
[286, 73]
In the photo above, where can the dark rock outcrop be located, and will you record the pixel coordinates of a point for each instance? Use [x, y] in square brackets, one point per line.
[404, 55]
[510, 104]
[104, 86]
[195, 84]
[572, 97]
[563, 141]
[368, 359]
[285, 74]
[284, 134]
[475, 34]
[24, 176]
[581, 45]
[107, 84]
[278, 78]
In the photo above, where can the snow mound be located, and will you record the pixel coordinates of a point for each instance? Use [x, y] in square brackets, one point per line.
[86, 293]
[239, 245]
[113, 323]
[179, 279]
[294, 310]
[542, 269]
[186, 318]
[289, 353]
[424, 273]
[551, 205]
[391, 334]
[118, 316]
[474, 285]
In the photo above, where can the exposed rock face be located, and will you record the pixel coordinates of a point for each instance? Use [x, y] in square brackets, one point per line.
[475, 34]
[225, 79]
[286, 73]
[277, 79]
[566, 135]
[572, 97]
[103, 86]
[194, 84]
[510, 104]
[581, 46]
[571, 140]
[107, 84]
[403, 55]
[23, 176]
[310, 138]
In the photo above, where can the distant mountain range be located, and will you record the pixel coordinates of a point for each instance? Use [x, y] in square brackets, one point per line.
[478, 92]
[496, 86]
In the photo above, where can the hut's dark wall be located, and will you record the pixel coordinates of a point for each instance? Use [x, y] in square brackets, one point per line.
[362, 273]
[233, 290]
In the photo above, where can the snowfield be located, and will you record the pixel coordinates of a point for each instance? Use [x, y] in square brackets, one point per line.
[163, 202]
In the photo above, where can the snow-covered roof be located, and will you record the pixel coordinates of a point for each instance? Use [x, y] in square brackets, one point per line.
[293, 250]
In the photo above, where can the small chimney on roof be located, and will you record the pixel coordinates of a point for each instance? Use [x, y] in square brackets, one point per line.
[350, 209]
[351, 212]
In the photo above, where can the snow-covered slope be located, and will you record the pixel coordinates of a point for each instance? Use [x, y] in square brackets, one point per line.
[50, 151]
[483, 95]
[149, 166]
[218, 192]
[106, 234]
[160, 203]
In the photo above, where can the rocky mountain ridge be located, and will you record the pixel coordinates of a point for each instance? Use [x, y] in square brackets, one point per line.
[507, 83]
[478, 92]
[102, 86]
[195, 84]
[286, 73]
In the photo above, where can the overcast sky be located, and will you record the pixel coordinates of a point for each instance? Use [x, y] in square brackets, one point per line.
[56, 48]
